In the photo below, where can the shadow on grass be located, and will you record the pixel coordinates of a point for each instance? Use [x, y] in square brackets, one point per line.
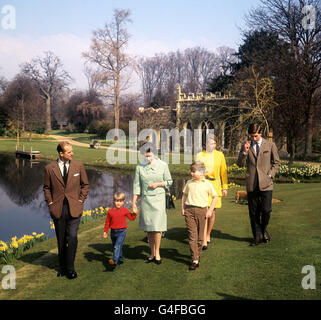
[229, 297]
[42, 258]
[131, 253]
[106, 253]
[221, 235]
[180, 234]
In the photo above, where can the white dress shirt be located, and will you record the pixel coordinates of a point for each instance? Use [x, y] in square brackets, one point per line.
[61, 166]
[254, 144]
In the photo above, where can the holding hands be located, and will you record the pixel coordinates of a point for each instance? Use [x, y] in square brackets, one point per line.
[155, 185]
[134, 208]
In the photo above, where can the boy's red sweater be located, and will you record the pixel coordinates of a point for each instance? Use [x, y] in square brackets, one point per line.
[116, 218]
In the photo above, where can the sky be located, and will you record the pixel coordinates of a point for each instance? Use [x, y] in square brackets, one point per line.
[65, 27]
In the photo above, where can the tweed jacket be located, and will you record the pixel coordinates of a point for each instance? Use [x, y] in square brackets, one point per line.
[265, 165]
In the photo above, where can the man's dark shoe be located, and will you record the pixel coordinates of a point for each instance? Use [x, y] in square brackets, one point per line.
[61, 273]
[255, 242]
[193, 266]
[72, 275]
[266, 237]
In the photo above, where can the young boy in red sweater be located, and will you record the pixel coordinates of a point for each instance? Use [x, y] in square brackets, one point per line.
[116, 221]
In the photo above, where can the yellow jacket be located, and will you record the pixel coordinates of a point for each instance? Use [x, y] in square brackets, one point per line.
[215, 168]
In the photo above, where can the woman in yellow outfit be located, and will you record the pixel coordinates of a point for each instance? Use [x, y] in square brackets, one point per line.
[217, 174]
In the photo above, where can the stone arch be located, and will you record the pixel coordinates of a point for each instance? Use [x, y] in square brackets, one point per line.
[187, 125]
[205, 125]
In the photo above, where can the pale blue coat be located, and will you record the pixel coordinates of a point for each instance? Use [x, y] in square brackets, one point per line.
[152, 215]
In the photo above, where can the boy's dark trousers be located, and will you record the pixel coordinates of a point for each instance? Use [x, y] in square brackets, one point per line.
[118, 237]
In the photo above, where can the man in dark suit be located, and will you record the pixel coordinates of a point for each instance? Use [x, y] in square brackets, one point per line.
[66, 188]
[262, 161]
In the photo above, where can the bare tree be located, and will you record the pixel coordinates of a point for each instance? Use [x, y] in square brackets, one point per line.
[226, 58]
[201, 66]
[129, 106]
[257, 95]
[152, 74]
[287, 19]
[22, 102]
[93, 78]
[108, 53]
[49, 76]
[160, 74]
[3, 84]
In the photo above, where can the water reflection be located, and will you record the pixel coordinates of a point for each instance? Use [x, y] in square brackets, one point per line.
[23, 209]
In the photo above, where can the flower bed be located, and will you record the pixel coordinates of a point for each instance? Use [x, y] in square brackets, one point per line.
[295, 174]
[14, 249]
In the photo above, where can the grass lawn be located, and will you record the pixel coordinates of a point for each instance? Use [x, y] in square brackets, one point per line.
[229, 269]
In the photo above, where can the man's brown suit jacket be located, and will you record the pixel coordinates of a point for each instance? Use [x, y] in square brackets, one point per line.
[75, 191]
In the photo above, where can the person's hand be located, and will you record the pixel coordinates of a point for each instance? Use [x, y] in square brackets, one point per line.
[247, 146]
[183, 212]
[134, 208]
[224, 193]
[105, 235]
[154, 185]
[208, 213]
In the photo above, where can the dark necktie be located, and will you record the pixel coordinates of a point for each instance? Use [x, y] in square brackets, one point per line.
[65, 174]
[257, 148]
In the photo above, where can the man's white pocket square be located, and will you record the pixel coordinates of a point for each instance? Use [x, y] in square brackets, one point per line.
[76, 174]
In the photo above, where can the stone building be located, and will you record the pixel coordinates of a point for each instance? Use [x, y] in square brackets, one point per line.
[196, 111]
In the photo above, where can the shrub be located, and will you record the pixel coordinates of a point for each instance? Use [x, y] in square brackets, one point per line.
[94, 127]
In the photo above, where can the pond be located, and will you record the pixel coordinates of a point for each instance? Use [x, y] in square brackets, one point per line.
[23, 209]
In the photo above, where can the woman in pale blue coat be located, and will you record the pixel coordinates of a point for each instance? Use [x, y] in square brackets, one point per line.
[152, 177]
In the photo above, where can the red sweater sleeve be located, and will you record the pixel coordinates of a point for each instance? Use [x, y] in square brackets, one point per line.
[131, 216]
[107, 224]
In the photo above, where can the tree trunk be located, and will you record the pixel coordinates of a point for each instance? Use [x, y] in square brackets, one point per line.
[116, 109]
[291, 146]
[48, 114]
[308, 135]
[222, 135]
[22, 105]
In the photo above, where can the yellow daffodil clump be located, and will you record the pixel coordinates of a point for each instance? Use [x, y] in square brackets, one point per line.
[13, 249]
